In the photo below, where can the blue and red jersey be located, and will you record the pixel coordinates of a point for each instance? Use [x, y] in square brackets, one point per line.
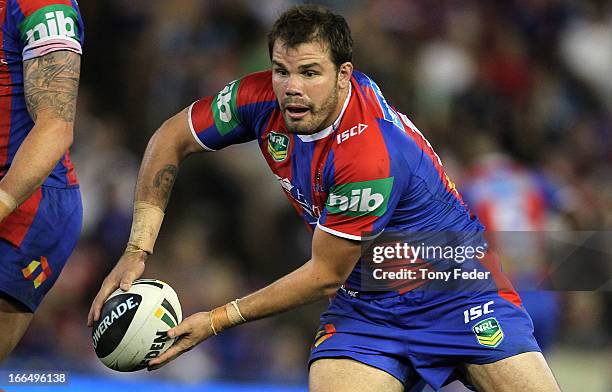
[30, 29]
[371, 170]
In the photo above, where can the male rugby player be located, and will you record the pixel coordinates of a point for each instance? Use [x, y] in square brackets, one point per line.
[40, 203]
[352, 166]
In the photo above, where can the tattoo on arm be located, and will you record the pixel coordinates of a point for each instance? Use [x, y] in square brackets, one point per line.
[51, 84]
[163, 182]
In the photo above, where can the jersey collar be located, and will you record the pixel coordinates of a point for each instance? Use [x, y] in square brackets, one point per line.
[327, 131]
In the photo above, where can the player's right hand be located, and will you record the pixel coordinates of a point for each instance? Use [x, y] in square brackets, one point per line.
[129, 268]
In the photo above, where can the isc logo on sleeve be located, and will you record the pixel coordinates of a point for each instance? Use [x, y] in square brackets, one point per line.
[51, 21]
[354, 131]
[360, 198]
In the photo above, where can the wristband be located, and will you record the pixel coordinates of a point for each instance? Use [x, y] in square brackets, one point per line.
[234, 304]
[146, 223]
[8, 200]
[219, 319]
[225, 317]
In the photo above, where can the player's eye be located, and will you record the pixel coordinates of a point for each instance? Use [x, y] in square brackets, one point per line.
[280, 71]
[310, 74]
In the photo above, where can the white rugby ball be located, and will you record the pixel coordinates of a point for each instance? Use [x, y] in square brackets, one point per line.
[132, 327]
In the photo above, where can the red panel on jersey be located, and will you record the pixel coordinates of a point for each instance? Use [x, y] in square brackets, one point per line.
[201, 115]
[504, 287]
[371, 95]
[71, 174]
[28, 7]
[360, 158]
[422, 143]
[15, 226]
[282, 170]
[251, 87]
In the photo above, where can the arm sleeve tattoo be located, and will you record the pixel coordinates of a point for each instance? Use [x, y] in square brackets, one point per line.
[51, 84]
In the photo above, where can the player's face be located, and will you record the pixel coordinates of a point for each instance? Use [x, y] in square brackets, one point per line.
[309, 88]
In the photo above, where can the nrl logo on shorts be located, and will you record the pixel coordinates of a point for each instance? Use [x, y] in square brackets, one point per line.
[278, 145]
[488, 332]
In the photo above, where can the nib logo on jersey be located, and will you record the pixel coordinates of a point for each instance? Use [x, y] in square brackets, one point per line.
[360, 198]
[225, 109]
[51, 21]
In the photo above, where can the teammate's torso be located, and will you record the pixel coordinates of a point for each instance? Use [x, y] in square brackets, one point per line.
[29, 29]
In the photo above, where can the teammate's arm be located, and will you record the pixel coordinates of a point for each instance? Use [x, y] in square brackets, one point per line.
[333, 259]
[170, 144]
[50, 86]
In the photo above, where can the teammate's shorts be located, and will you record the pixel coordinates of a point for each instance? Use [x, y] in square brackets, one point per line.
[50, 225]
[424, 336]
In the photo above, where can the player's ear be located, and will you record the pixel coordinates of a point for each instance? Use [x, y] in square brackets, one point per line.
[344, 74]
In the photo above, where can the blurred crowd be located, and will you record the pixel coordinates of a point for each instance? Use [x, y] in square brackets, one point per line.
[516, 97]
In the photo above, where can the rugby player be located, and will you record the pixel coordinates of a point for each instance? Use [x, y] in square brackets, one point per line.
[352, 166]
[40, 203]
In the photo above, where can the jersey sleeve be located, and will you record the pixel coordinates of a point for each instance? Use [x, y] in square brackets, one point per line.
[46, 26]
[232, 116]
[364, 189]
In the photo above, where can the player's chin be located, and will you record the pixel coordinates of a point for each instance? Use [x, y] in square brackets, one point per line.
[300, 126]
[298, 130]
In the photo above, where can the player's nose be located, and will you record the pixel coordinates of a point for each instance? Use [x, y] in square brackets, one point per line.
[294, 86]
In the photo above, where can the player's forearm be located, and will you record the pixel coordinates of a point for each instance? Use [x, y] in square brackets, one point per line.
[168, 147]
[305, 285]
[40, 152]
[332, 261]
[158, 170]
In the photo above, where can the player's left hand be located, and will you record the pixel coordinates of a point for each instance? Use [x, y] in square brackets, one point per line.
[192, 331]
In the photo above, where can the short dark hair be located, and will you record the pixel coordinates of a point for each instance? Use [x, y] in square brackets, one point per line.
[310, 23]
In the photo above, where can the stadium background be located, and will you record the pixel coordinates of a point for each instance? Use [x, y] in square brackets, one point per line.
[527, 78]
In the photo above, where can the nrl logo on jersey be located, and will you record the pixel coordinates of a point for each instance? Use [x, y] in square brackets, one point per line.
[51, 21]
[360, 198]
[488, 332]
[278, 146]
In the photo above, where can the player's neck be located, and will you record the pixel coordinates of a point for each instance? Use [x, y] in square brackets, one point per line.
[336, 116]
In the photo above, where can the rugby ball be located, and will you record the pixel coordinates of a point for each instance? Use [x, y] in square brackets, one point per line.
[132, 327]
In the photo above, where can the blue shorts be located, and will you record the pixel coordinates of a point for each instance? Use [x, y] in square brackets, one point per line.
[36, 241]
[424, 336]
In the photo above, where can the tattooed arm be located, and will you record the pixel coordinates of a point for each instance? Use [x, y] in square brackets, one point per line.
[50, 86]
[172, 143]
